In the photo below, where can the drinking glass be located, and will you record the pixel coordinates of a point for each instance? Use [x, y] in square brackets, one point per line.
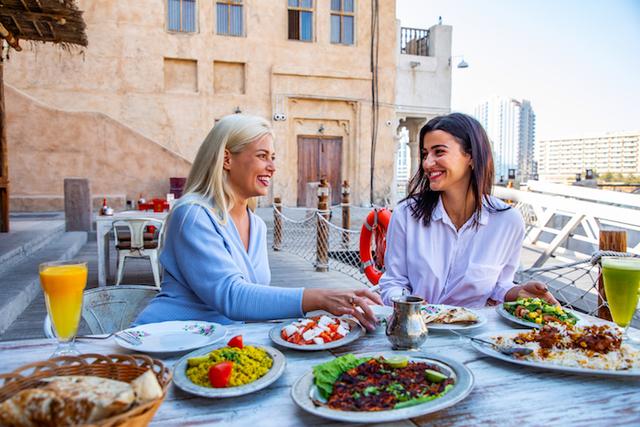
[63, 283]
[621, 277]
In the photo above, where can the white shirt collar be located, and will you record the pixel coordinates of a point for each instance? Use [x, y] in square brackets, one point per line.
[440, 213]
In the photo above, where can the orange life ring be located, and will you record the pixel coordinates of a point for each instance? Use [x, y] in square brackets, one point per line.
[375, 225]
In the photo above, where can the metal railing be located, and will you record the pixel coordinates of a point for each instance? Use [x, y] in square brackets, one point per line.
[567, 228]
[414, 41]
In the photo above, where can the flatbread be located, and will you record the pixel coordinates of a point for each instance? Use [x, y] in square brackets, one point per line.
[146, 388]
[455, 315]
[66, 401]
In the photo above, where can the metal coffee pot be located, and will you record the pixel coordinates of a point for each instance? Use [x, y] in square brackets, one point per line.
[406, 329]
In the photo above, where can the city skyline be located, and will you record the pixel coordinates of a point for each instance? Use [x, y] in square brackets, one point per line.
[510, 125]
[575, 61]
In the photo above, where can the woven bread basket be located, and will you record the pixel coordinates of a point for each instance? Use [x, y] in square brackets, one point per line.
[120, 367]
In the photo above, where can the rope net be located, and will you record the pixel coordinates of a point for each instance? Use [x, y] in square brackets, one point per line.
[318, 237]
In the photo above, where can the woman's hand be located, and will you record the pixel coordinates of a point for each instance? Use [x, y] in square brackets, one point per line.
[338, 302]
[531, 290]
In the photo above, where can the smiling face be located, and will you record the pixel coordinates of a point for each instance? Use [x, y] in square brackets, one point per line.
[250, 171]
[444, 162]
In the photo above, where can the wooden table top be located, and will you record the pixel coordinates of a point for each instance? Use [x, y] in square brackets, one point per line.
[504, 393]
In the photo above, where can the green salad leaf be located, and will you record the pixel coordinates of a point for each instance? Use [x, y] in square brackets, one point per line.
[326, 374]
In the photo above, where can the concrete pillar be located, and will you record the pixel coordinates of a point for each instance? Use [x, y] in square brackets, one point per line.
[78, 212]
[397, 140]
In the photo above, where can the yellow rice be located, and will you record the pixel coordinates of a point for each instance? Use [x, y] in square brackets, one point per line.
[249, 364]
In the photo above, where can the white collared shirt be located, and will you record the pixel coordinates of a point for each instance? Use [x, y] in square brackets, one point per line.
[447, 266]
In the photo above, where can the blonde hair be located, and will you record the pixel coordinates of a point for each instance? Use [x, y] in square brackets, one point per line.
[207, 177]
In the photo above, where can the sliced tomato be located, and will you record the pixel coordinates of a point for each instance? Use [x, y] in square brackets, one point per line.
[236, 342]
[220, 373]
[333, 327]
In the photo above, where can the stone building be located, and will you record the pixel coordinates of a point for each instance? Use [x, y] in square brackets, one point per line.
[561, 160]
[132, 109]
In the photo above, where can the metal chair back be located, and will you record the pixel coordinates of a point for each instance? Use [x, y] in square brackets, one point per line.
[110, 309]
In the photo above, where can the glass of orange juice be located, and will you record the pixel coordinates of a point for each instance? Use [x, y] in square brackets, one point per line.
[63, 283]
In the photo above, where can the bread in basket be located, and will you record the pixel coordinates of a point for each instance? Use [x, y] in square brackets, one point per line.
[120, 367]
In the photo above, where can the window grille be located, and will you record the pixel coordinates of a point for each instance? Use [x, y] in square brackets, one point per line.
[300, 17]
[181, 15]
[229, 18]
[342, 21]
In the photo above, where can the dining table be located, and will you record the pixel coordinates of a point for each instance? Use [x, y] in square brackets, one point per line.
[104, 225]
[503, 394]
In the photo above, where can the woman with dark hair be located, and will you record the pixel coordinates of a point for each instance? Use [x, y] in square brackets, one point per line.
[450, 241]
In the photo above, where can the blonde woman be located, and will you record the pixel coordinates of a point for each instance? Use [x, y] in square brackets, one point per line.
[215, 252]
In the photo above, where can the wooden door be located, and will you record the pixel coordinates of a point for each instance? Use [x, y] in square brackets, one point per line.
[319, 157]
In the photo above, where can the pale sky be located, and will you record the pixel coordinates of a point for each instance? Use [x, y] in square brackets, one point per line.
[577, 61]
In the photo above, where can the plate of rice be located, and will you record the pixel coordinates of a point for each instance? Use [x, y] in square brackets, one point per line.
[254, 368]
[589, 349]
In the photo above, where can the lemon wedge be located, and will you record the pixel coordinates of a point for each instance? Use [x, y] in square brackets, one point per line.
[397, 362]
[434, 376]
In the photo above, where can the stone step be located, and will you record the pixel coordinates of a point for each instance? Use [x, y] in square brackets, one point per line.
[20, 283]
[26, 238]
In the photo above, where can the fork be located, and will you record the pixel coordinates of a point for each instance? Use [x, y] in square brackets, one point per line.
[128, 337]
[94, 337]
[509, 351]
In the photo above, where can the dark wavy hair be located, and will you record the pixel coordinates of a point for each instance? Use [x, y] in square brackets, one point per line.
[474, 141]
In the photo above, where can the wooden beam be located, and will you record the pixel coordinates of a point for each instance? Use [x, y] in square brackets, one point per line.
[37, 27]
[53, 33]
[35, 16]
[26, 7]
[15, 22]
[10, 38]
[4, 161]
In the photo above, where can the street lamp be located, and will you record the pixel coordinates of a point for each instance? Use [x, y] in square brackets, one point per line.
[461, 64]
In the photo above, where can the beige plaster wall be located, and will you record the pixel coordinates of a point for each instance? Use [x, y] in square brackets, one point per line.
[123, 75]
[46, 145]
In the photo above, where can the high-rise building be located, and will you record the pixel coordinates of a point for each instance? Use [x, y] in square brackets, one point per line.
[560, 160]
[510, 125]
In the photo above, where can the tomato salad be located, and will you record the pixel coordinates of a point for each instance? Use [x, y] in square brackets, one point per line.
[315, 330]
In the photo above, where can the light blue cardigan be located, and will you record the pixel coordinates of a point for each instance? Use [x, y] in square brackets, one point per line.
[208, 274]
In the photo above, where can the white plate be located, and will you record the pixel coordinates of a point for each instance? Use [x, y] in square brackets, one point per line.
[182, 381]
[510, 317]
[174, 336]
[303, 388]
[356, 332]
[490, 351]
[435, 308]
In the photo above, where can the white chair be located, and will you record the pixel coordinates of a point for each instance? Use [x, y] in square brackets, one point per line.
[110, 309]
[137, 243]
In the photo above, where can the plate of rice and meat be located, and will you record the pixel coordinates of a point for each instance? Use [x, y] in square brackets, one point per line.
[316, 333]
[382, 387]
[590, 349]
[227, 371]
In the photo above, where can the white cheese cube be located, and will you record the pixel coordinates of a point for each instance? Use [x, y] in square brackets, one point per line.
[342, 331]
[290, 330]
[318, 341]
[311, 334]
[325, 321]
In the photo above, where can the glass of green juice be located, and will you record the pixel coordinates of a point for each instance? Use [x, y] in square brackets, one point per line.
[621, 277]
